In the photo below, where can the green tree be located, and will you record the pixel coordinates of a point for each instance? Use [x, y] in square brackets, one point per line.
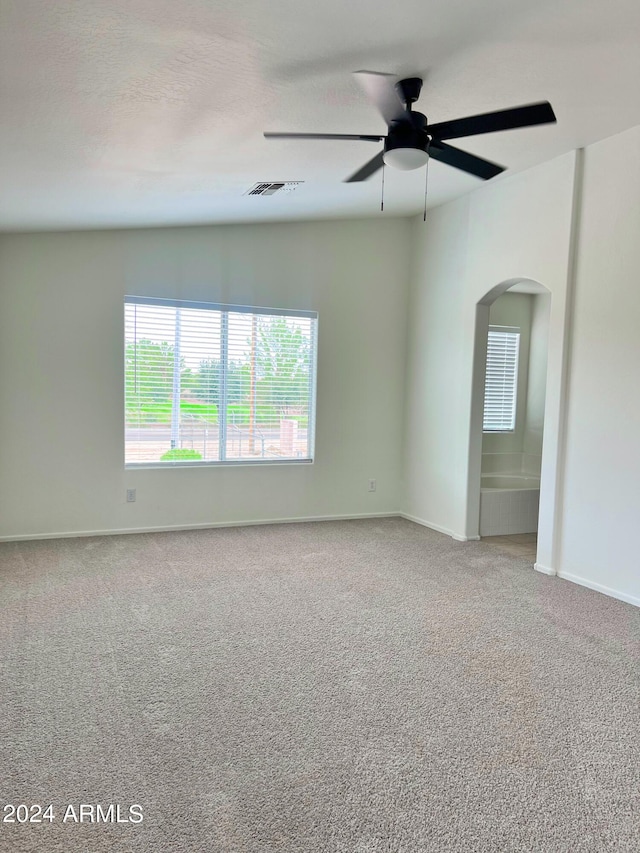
[207, 381]
[149, 374]
[148, 371]
[207, 384]
[282, 364]
[237, 382]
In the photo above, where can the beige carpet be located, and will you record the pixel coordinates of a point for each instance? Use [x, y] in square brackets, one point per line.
[343, 687]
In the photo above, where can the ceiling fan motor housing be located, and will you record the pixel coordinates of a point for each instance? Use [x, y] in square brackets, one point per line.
[409, 136]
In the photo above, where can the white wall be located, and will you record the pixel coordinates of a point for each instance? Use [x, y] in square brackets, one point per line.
[61, 371]
[601, 497]
[436, 442]
[537, 383]
[515, 229]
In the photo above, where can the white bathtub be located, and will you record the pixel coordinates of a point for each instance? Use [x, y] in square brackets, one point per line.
[510, 481]
[509, 504]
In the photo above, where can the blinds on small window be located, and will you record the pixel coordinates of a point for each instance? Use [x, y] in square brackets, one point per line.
[209, 383]
[501, 381]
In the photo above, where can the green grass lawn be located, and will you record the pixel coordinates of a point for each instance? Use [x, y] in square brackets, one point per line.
[237, 413]
[160, 413]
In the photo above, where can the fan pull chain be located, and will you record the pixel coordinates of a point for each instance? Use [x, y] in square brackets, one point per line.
[382, 198]
[426, 184]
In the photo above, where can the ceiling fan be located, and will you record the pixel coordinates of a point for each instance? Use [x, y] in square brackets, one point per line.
[411, 140]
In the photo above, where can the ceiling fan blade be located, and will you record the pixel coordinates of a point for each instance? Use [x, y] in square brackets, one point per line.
[367, 170]
[381, 90]
[463, 160]
[365, 137]
[540, 113]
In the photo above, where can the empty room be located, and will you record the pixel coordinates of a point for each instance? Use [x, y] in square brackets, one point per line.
[319, 420]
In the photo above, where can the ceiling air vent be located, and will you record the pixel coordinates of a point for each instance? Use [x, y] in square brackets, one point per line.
[273, 187]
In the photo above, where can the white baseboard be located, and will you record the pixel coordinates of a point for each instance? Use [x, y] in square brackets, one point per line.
[163, 528]
[428, 524]
[438, 528]
[545, 570]
[598, 587]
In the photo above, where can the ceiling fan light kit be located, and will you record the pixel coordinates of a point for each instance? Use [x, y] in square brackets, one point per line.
[411, 141]
[405, 159]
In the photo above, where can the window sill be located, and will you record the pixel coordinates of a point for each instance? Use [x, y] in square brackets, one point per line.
[231, 463]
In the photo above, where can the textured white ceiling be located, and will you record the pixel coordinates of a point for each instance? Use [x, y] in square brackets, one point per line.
[151, 112]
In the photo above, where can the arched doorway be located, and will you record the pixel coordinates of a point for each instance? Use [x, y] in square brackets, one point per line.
[503, 455]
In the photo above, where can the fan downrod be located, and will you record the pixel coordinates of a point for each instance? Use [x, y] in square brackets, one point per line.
[409, 90]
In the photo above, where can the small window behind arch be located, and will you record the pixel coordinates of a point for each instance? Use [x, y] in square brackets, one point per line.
[501, 379]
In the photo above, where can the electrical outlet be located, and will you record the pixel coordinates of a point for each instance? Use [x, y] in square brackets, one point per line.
[372, 485]
[131, 495]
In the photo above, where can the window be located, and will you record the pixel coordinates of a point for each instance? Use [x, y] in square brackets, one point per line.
[211, 384]
[501, 381]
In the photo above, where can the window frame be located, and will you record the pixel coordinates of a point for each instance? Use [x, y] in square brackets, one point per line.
[226, 308]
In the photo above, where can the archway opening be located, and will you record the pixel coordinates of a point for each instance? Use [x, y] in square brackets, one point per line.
[508, 415]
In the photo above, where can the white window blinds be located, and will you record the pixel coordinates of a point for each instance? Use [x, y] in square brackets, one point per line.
[209, 383]
[501, 381]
